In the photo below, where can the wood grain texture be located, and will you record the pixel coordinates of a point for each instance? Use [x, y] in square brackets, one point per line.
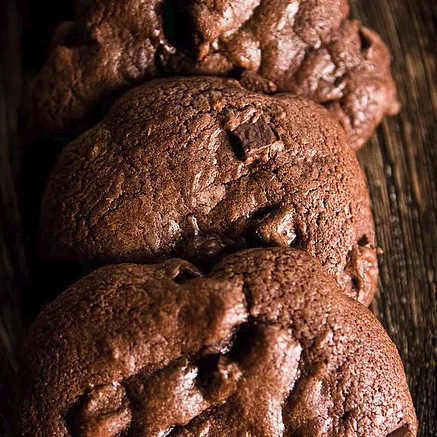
[401, 168]
[12, 260]
[400, 163]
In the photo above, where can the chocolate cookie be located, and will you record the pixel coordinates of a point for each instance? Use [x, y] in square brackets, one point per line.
[307, 47]
[197, 167]
[110, 47]
[265, 346]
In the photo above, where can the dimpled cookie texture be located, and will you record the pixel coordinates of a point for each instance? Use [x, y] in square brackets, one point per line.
[198, 167]
[308, 47]
[266, 346]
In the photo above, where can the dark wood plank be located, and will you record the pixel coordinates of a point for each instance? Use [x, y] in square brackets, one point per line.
[12, 261]
[401, 169]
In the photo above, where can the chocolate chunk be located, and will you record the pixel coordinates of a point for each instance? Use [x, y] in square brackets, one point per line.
[255, 138]
[404, 431]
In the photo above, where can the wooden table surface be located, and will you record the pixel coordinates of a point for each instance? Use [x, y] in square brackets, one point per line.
[400, 164]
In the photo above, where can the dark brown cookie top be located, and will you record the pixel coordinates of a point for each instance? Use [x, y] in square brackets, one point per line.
[307, 47]
[109, 48]
[197, 167]
[265, 346]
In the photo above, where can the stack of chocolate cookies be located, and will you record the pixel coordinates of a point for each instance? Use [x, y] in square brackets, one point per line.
[224, 221]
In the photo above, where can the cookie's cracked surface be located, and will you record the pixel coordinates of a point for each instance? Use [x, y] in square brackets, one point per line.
[267, 345]
[307, 47]
[197, 167]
